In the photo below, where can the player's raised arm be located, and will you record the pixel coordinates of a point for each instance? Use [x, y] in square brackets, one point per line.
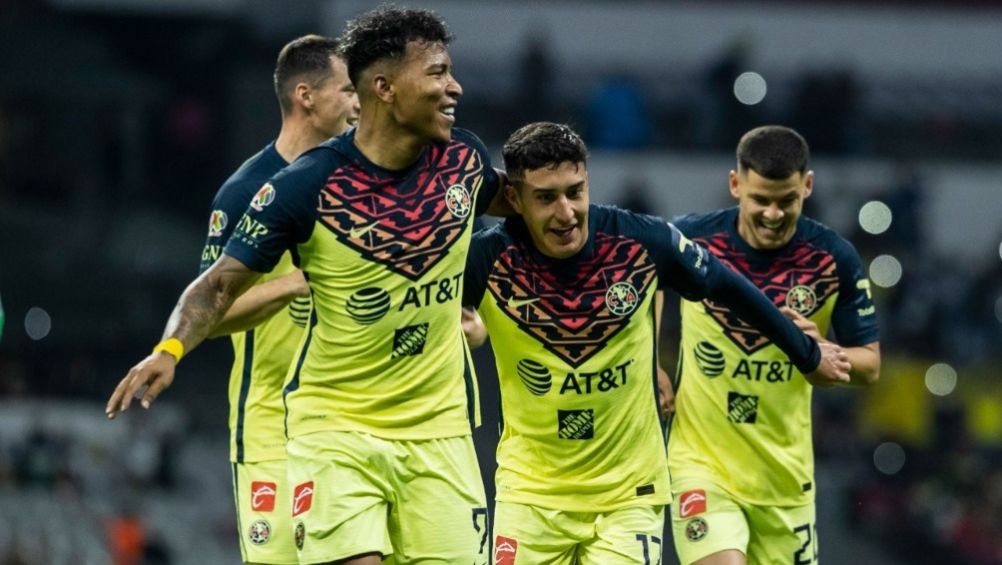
[201, 306]
[823, 363]
[263, 301]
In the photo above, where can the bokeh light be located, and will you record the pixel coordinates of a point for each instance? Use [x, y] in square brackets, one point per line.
[941, 379]
[885, 271]
[875, 217]
[750, 88]
[889, 458]
[37, 323]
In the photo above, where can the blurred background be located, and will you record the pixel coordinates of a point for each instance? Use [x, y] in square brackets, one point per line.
[119, 119]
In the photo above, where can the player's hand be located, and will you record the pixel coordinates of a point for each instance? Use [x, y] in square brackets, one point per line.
[834, 366]
[805, 324]
[473, 328]
[155, 373]
[666, 394]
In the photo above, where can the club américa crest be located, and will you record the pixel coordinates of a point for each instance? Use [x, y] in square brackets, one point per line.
[217, 223]
[457, 199]
[622, 298]
[264, 197]
[259, 532]
[802, 299]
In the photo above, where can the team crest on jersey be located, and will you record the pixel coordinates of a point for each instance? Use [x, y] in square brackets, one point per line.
[573, 320]
[806, 272]
[696, 529]
[217, 223]
[802, 299]
[264, 197]
[458, 201]
[621, 298]
[407, 228]
[259, 532]
[300, 534]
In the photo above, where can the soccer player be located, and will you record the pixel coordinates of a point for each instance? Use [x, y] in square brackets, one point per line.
[317, 101]
[740, 451]
[381, 400]
[567, 292]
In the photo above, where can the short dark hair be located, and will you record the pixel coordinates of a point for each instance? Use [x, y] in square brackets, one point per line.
[385, 32]
[542, 144]
[775, 152]
[306, 57]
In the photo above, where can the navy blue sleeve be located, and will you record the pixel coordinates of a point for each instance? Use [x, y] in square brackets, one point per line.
[855, 317]
[491, 183]
[227, 207]
[281, 214]
[484, 249]
[696, 274]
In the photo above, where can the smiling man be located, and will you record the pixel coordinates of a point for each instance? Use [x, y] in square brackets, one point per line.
[567, 292]
[741, 404]
[380, 400]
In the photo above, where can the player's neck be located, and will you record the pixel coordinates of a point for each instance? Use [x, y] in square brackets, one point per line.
[388, 145]
[297, 137]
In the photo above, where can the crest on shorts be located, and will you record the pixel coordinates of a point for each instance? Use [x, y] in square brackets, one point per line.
[696, 529]
[300, 535]
[259, 532]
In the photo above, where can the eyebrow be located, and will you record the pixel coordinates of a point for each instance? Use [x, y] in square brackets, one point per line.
[551, 189]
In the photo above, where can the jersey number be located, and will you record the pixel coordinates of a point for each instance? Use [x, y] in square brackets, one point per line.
[798, 556]
[647, 541]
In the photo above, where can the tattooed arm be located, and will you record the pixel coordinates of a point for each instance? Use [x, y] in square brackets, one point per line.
[198, 311]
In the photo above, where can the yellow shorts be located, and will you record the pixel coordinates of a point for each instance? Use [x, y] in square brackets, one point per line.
[421, 501]
[529, 535]
[264, 512]
[705, 520]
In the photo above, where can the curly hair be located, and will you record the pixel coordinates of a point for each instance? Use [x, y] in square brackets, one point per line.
[542, 144]
[306, 57]
[775, 152]
[385, 32]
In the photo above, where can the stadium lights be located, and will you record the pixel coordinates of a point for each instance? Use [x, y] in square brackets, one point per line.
[885, 271]
[941, 379]
[889, 458]
[875, 217]
[37, 323]
[750, 88]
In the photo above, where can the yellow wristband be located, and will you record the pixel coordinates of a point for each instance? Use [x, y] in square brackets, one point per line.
[172, 346]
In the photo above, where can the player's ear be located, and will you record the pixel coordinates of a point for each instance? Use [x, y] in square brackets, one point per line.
[733, 181]
[808, 183]
[514, 198]
[302, 95]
